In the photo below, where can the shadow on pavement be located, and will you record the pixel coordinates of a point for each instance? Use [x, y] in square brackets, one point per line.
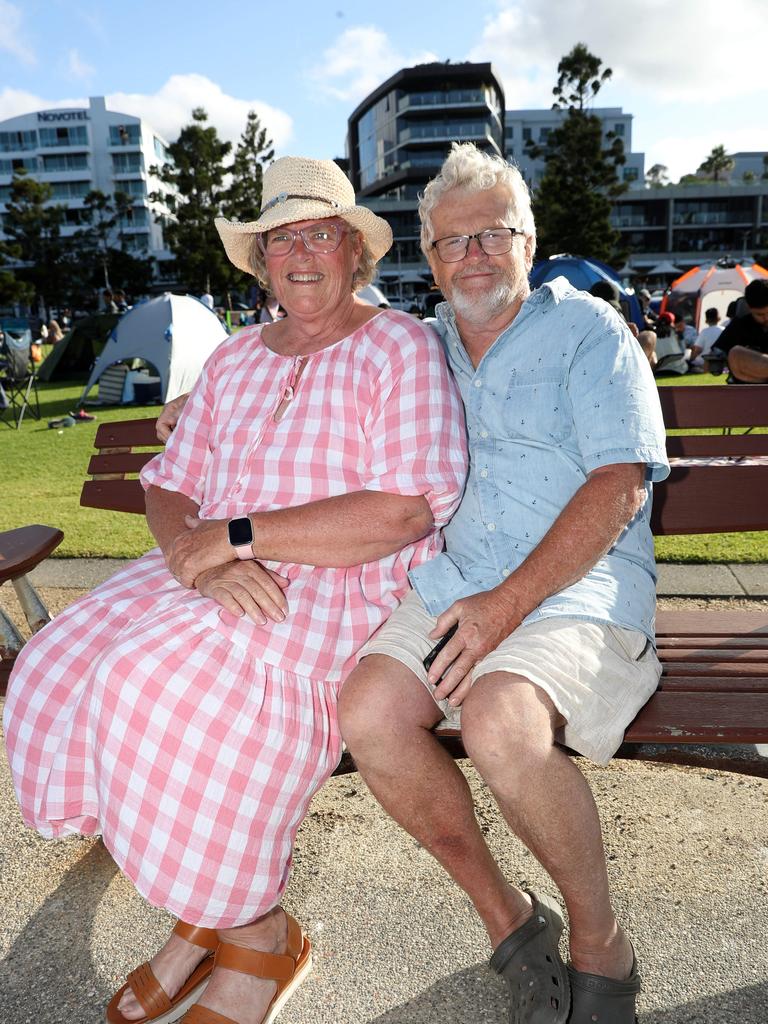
[476, 996]
[49, 974]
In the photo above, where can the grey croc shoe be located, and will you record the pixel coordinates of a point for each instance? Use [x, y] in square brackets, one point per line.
[530, 963]
[599, 1000]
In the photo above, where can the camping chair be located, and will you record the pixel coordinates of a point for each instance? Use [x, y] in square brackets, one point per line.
[18, 378]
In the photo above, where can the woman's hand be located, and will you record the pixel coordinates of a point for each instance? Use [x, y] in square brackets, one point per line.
[169, 417]
[203, 545]
[246, 588]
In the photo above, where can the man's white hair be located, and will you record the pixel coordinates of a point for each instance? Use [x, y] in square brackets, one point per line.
[469, 168]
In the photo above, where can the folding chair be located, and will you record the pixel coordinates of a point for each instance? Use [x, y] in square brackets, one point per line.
[18, 378]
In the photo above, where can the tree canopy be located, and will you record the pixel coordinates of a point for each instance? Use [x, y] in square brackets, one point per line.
[718, 164]
[208, 185]
[572, 202]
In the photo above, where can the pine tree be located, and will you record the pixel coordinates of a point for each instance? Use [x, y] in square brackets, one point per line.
[197, 172]
[572, 203]
[243, 201]
[33, 230]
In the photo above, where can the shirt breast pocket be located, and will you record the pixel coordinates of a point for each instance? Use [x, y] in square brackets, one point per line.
[536, 405]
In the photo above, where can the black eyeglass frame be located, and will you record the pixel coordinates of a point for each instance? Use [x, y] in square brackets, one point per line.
[478, 236]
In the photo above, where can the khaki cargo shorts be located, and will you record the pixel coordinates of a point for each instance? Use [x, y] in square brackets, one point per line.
[597, 675]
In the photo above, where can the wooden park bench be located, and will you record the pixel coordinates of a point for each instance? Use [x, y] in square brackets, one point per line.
[714, 687]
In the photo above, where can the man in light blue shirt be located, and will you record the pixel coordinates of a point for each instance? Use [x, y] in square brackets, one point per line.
[548, 578]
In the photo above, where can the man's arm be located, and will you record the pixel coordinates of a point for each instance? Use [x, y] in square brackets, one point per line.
[346, 530]
[585, 530]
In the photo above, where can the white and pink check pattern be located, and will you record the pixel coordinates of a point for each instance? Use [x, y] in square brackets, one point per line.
[191, 740]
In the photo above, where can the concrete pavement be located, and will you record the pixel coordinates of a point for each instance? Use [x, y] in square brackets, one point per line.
[395, 942]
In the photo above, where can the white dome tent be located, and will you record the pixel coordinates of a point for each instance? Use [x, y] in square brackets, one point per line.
[174, 334]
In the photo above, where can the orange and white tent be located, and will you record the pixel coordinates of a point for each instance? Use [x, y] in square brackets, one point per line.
[713, 284]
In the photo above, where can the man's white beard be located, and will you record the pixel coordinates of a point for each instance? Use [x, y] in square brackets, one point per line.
[477, 307]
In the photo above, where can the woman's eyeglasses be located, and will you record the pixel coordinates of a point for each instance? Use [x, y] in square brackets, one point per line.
[319, 238]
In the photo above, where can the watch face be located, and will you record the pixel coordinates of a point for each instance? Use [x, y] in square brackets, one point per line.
[240, 531]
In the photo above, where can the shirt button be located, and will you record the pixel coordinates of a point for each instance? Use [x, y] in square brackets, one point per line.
[483, 473]
[483, 433]
[478, 383]
[505, 571]
[491, 527]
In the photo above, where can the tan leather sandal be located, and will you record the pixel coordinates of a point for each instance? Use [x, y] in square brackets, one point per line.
[158, 1007]
[288, 970]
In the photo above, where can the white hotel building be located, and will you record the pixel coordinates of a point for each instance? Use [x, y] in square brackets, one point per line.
[78, 150]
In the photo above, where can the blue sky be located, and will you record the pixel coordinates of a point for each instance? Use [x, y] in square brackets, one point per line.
[691, 71]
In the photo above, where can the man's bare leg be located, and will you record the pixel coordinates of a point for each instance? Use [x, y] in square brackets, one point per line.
[508, 726]
[386, 716]
[747, 365]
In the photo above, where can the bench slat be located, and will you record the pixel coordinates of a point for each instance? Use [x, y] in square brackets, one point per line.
[702, 718]
[754, 643]
[711, 499]
[713, 624]
[127, 434]
[700, 405]
[712, 683]
[119, 462]
[705, 655]
[113, 495]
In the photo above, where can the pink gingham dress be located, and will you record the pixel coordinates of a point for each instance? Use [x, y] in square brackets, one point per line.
[193, 740]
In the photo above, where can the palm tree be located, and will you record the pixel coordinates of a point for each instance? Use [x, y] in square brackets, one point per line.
[717, 164]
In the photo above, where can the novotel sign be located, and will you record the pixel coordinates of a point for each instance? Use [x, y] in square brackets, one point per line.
[62, 115]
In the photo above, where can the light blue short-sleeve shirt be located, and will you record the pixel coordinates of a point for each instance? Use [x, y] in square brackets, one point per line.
[563, 390]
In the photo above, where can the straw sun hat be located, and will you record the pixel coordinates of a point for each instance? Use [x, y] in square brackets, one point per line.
[296, 188]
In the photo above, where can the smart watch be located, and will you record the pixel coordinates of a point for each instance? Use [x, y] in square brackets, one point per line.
[241, 536]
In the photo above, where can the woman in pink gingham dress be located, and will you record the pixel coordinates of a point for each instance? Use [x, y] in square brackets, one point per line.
[186, 709]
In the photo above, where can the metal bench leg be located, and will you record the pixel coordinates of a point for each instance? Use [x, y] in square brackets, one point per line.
[34, 610]
[11, 640]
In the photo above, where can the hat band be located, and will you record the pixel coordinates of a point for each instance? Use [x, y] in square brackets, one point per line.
[283, 197]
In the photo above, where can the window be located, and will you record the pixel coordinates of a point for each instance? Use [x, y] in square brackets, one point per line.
[134, 187]
[631, 174]
[66, 162]
[126, 163]
[70, 189]
[124, 134]
[160, 151]
[75, 136]
[10, 141]
[618, 129]
[509, 131]
[18, 163]
[543, 134]
[526, 134]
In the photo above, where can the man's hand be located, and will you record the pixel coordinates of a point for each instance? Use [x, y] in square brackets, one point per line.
[246, 588]
[169, 417]
[484, 620]
[203, 545]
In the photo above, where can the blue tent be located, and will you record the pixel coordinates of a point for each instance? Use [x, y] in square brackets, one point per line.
[583, 273]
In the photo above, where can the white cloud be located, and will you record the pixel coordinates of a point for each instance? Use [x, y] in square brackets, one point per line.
[77, 67]
[360, 60]
[170, 108]
[683, 51]
[11, 39]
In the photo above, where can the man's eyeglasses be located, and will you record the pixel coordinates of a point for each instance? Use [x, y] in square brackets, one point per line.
[319, 238]
[493, 242]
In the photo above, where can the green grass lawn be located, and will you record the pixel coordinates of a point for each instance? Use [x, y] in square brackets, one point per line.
[42, 472]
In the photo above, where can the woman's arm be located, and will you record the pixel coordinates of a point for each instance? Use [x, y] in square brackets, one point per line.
[346, 530]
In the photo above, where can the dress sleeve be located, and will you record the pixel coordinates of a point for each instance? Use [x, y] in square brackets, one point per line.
[616, 409]
[415, 423]
[183, 465]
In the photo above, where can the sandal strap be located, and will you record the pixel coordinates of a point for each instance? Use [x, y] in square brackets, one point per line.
[149, 992]
[206, 938]
[198, 1014]
[273, 966]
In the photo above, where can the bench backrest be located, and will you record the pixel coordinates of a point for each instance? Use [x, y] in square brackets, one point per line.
[698, 497]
